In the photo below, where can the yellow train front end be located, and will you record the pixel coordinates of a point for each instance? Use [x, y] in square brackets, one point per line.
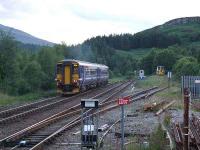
[160, 70]
[67, 77]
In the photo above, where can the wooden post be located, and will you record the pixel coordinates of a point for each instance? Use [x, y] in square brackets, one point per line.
[186, 118]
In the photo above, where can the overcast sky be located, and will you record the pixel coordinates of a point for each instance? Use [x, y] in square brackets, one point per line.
[73, 21]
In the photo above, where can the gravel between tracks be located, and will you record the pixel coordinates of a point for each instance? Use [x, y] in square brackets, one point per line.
[141, 124]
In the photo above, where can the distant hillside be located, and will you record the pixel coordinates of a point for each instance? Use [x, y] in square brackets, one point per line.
[177, 31]
[25, 37]
[184, 20]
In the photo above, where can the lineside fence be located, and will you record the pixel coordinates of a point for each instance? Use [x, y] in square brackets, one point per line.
[193, 83]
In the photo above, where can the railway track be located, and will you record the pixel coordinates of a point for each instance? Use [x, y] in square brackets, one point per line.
[17, 124]
[194, 133]
[105, 106]
[14, 139]
[103, 109]
[13, 114]
[16, 110]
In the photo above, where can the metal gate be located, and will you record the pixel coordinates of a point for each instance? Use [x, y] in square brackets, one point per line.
[193, 83]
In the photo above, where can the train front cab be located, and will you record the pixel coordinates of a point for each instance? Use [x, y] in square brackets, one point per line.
[67, 78]
[160, 70]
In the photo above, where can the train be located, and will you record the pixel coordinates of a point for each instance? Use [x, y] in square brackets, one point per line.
[160, 70]
[75, 76]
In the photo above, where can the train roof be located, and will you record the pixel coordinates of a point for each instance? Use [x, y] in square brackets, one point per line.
[84, 63]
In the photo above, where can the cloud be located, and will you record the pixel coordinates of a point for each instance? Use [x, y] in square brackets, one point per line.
[73, 21]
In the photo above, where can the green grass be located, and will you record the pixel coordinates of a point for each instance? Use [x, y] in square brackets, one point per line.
[151, 81]
[172, 93]
[7, 100]
[116, 79]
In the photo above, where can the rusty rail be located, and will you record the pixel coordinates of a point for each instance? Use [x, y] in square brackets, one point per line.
[193, 136]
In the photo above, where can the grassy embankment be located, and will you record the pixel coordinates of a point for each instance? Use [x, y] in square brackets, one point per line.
[172, 93]
[7, 100]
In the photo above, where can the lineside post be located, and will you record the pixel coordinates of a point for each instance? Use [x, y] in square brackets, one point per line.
[122, 127]
[123, 101]
[186, 118]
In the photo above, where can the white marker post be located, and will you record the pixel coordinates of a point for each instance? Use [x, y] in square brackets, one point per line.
[169, 76]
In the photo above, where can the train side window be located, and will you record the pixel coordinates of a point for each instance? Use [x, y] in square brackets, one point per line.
[87, 71]
[93, 72]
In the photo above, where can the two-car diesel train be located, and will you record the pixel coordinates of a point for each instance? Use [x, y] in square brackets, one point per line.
[74, 76]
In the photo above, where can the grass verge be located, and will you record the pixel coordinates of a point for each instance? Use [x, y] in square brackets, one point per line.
[172, 93]
[117, 79]
[7, 100]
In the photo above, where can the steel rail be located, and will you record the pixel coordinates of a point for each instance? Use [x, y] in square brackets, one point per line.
[25, 106]
[100, 144]
[77, 121]
[50, 105]
[53, 118]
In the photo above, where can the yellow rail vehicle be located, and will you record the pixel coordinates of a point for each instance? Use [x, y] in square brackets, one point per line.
[160, 70]
[67, 77]
[74, 76]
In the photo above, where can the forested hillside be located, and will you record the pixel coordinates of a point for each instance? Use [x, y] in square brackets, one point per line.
[28, 68]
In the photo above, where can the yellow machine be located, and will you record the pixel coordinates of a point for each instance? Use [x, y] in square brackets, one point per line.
[160, 70]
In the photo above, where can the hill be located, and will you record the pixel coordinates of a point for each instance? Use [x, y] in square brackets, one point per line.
[24, 37]
[178, 31]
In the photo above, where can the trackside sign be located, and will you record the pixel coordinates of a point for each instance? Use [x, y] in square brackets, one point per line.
[123, 101]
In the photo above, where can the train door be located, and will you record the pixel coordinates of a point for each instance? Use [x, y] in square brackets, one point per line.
[67, 74]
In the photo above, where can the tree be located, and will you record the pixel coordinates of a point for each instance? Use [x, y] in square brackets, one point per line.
[47, 60]
[166, 58]
[147, 62]
[186, 66]
[9, 69]
[33, 75]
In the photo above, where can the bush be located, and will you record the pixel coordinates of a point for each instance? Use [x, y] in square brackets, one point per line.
[33, 75]
[23, 87]
[186, 66]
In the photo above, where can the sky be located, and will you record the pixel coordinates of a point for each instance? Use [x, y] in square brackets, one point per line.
[73, 21]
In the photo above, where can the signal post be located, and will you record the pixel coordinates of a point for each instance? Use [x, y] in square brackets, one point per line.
[122, 102]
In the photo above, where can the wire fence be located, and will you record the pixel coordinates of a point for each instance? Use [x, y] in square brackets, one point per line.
[193, 83]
